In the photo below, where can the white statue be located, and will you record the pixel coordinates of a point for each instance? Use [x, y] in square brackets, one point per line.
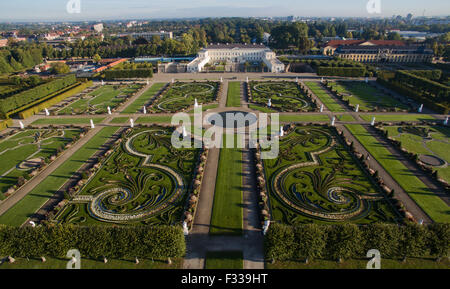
[145, 110]
[247, 79]
[196, 103]
[373, 121]
[357, 108]
[367, 80]
[266, 226]
[105, 260]
[333, 121]
[269, 103]
[296, 79]
[131, 122]
[185, 228]
[47, 113]
[137, 261]
[92, 124]
[33, 224]
[109, 110]
[103, 83]
[446, 121]
[148, 82]
[221, 79]
[22, 126]
[322, 108]
[421, 108]
[281, 132]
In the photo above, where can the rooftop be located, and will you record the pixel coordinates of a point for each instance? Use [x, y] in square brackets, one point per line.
[235, 45]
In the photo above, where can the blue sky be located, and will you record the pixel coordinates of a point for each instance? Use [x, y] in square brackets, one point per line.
[20, 10]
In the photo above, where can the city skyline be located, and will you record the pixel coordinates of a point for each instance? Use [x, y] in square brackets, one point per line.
[55, 10]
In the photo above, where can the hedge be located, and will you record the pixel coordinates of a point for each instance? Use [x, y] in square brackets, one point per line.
[125, 73]
[5, 123]
[332, 242]
[10, 104]
[414, 94]
[341, 71]
[93, 242]
[59, 96]
[425, 85]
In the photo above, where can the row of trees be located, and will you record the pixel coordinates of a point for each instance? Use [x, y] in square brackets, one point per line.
[21, 57]
[351, 241]
[93, 242]
[426, 86]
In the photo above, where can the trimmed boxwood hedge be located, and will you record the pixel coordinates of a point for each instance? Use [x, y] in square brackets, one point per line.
[332, 242]
[10, 104]
[93, 242]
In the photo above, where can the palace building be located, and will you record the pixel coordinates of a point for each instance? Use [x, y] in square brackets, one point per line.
[375, 51]
[235, 55]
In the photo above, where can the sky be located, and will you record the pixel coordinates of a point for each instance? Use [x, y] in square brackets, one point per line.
[55, 10]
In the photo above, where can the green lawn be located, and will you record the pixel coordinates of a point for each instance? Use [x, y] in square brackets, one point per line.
[227, 211]
[326, 99]
[205, 107]
[367, 96]
[346, 117]
[234, 94]
[304, 118]
[120, 120]
[398, 117]
[54, 263]
[154, 119]
[139, 103]
[224, 260]
[411, 263]
[99, 100]
[435, 142]
[434, 206]
[67, 120]
[19, 213]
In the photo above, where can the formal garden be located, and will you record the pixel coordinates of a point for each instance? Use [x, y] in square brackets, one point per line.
[315, 179]
[279, 96]
[98, 100]
[182, 95]
[24, 153]
[429, 144]
[143, 181]
[366, 95]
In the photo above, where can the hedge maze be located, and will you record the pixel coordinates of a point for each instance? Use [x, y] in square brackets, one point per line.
[144, 181]
[181, 96]
[316, 180]
[284, 96]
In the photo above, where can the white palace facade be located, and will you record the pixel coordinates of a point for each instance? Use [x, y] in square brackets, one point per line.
[236, 54]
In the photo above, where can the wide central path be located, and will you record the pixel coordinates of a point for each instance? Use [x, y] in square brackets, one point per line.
[199, 241]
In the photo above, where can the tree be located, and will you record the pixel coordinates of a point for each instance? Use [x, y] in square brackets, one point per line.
[60, 68]
[97, 58]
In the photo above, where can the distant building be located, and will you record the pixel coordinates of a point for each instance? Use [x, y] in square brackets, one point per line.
[98, 27]
[149, 35]
[236, 54]
[331, 46]
[385, 54]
